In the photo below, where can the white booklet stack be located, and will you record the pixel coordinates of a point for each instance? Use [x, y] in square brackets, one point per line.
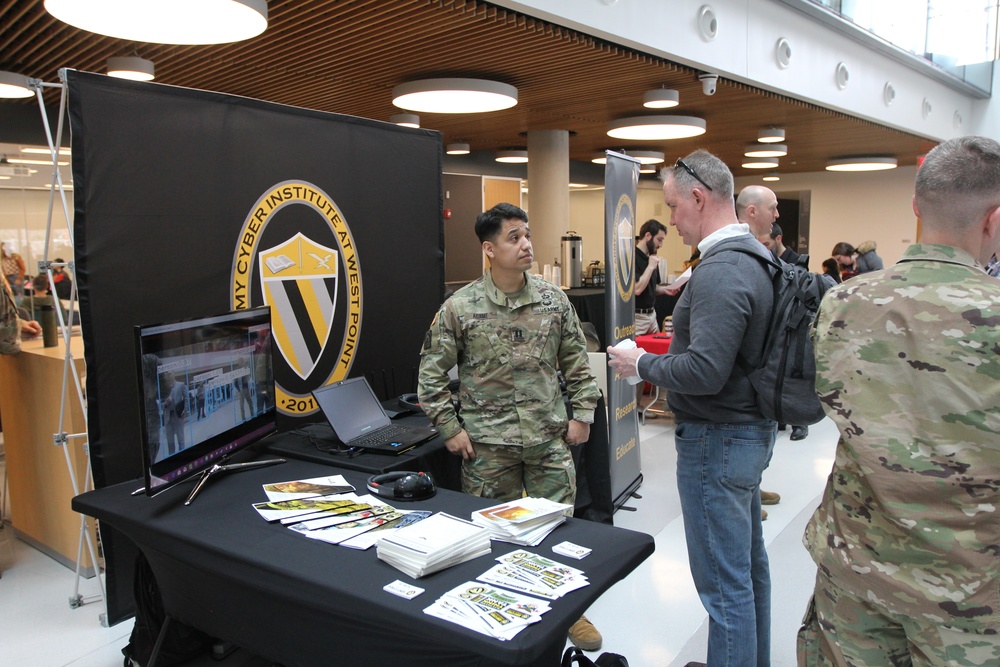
[433, 544]
[489, 610]
[526, 522]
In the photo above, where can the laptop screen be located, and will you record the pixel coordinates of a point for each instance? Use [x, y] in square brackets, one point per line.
[351, 407]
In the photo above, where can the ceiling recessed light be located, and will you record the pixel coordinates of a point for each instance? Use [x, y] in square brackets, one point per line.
[872, 163]
[771, 135]
[656, 128]
[647, 157]
[512, 157]
[772, 177]
[14, 85]
[38, 150]
[454, 96]
[661, 98]
[45, 163]
[458, 149]
[766, 150]
[165, 21]
[760, 162]
[131, 67]
[405, 119]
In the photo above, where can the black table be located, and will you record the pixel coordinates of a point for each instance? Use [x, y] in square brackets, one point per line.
[589, 304]
[224, 570]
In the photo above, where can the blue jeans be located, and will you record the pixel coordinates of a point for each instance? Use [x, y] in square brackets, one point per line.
[719, 467]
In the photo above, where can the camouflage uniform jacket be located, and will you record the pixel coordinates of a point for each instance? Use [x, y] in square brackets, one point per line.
[507, 351]
[908, 366]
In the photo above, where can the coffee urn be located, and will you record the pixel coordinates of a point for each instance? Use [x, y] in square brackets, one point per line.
[572, 259]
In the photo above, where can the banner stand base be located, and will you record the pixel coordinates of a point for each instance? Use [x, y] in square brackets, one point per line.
[626, 494]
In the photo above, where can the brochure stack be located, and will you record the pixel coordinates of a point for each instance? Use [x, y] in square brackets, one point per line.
[433, 544]
[525, 522]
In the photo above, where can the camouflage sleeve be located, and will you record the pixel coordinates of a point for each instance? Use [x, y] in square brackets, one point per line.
[581, 387]
[437, 356]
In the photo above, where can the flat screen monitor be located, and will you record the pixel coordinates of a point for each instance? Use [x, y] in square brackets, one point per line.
[206, 390]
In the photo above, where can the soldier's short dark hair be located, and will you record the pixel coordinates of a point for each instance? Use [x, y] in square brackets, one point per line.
[489, 223]
[776, 230]
[959, 180]
[652, 227]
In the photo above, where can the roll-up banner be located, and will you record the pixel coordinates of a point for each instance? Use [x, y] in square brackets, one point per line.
[191, 203]
[621, 180]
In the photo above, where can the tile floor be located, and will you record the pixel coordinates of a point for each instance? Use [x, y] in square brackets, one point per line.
[653, 617]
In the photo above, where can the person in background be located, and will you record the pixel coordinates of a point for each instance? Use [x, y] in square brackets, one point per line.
[757, 206]
[13, 269]
[648, 276]
[831, 269]
[844, 253]
[867, 259]
[906, 534]
[509, 332]
[12, 325]
[63, 283]
[723, 441]
[773, 241]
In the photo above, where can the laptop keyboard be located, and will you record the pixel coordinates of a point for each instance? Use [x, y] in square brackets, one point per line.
[379, 436]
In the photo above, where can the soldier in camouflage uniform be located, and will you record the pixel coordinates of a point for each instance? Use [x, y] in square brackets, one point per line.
[906, 538]
[509, 332]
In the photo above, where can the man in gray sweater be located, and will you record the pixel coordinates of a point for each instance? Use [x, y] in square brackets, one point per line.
[723, 441]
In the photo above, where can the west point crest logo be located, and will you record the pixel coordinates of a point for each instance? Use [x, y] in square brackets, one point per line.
[624, 247]
[300, 279]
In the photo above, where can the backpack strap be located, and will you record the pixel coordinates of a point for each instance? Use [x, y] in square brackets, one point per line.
[775, 276]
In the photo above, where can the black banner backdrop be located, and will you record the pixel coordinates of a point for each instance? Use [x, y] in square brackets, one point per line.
[191, 203]
[621, 181]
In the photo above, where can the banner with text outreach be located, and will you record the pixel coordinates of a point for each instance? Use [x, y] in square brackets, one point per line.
[621, 181]
[190, 203]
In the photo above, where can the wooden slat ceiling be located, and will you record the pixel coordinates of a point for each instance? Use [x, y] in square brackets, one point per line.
[345, 56]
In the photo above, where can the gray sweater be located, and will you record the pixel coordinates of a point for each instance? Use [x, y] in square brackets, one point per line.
[724, 310]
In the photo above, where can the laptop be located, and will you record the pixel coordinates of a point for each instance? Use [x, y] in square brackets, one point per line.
[358, 419]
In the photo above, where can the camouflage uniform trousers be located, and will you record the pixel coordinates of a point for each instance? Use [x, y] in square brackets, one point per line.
[842, 629]
[502, 472]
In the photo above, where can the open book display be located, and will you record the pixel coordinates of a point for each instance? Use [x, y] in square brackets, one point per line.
[526, 522]
[435, 543]
[336, 516]
[488, 610]
[506, 601]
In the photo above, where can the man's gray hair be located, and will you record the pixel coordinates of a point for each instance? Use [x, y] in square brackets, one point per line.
[959, 181]
[709, 169]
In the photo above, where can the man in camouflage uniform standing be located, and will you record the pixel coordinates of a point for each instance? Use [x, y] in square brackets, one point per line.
[509, 332]
[907, 535]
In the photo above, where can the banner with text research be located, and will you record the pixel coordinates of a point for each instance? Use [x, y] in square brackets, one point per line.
[191, 203]
[621, 181]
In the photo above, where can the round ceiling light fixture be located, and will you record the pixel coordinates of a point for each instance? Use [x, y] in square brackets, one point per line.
[773, 176]
[760, 163]
[131, 67]
[771, 135]
[661, 98]
[656, 128]
[405, 119]
[165, 21]
[765, 150]
[512, 157]
[13, 86]
[862, 163]
[454, 96]
[458, 149]
[600, 158]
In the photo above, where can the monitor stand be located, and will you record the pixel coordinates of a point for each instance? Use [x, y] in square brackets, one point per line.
[218, 469]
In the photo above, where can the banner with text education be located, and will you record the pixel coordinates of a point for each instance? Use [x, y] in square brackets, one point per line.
[191, 203]
[621, 180]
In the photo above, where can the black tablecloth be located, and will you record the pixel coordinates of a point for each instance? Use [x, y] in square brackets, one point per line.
[297, 601]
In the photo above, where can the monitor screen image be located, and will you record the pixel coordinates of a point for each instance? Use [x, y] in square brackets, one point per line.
[206, 390]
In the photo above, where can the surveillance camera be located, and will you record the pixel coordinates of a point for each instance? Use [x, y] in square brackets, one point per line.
[709, 83]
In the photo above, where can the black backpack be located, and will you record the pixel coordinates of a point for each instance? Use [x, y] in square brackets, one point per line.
[576, 655]
[785, 380]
